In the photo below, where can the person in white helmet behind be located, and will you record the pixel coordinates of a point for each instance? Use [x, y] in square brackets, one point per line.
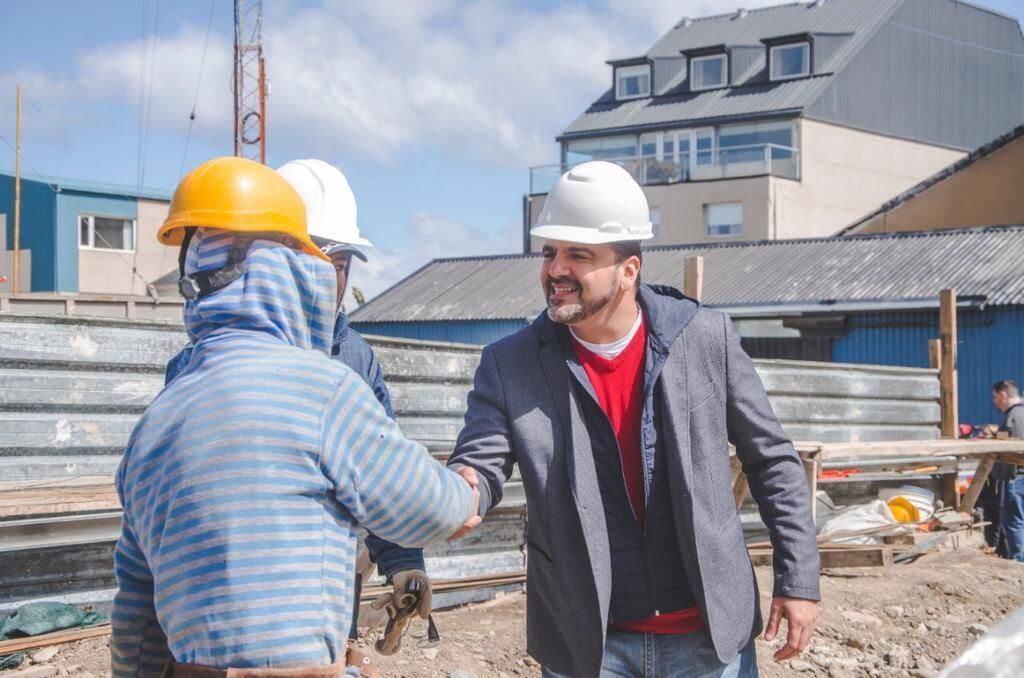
[331, 218]
[618, 404]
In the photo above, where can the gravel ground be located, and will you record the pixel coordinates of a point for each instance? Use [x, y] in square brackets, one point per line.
[906, 620]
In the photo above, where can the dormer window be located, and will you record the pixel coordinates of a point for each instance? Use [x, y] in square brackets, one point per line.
[633, 82]
[708, 72]
[790, 61]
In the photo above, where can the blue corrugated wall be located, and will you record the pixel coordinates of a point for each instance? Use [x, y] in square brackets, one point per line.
[38, 228]
[464, 332]
[989, 349]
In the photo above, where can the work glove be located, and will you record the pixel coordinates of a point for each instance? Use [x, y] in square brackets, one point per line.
[399, 584]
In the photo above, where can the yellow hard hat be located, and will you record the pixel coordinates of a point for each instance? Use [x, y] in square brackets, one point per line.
[903, 510]
[240, 195]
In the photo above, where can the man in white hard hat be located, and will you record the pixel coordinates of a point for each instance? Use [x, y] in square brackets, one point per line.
[331, 218]
[619, 403]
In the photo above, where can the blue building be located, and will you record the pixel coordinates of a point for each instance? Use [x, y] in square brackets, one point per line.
[863, 299]
[78, 236]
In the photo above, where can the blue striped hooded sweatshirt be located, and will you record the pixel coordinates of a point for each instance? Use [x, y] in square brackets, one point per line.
[244, 480]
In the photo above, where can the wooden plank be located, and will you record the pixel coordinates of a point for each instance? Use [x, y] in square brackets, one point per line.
[909, 539]
[48, 500]
[868, 556]
[906, 448]
[740, 489]
[55, 638]
[812, 467]
[947, 372]
[949, 490]
[693, 277]
[977, 483]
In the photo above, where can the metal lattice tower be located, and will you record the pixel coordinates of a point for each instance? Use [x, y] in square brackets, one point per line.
[249, 82]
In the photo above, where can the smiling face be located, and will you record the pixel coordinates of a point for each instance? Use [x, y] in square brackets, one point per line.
[579, 280]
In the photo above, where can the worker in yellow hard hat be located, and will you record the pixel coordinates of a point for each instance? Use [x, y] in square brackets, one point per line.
[245, 479]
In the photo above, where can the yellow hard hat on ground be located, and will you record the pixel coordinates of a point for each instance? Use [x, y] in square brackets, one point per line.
[239, 195]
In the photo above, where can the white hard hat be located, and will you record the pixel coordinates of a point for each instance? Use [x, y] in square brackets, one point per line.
[594, 203]
[330, 205]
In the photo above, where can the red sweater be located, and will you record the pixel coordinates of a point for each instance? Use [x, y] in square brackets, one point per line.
[619, 385]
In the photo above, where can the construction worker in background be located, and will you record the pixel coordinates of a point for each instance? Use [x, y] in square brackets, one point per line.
[331, 219]
[618, 403]
[244, 481]
[1009, 479]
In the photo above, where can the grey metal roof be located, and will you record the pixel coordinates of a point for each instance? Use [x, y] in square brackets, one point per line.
[834, 16]
[899, 267]
[945, 173]
[943, 72]
[751, 92]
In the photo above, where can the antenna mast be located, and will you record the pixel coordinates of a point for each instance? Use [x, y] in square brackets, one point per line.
[249, 82]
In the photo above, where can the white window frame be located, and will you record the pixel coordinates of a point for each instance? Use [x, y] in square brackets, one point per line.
[654, 215]
[789, 45]
[623, 72]
[725, 72]
[707, 221]
[91, 216]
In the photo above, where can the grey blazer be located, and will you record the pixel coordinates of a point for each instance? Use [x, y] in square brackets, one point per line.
[522, 409]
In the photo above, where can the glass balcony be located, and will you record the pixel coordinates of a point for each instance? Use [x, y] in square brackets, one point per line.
[700, 165]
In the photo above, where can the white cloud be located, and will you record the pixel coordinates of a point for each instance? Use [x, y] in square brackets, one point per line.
[486, 81]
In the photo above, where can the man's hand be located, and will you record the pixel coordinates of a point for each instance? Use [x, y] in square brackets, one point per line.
[801, 616]
[399, 583]
[469, 475]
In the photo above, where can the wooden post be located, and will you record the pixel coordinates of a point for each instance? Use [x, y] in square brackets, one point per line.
[693, 280]
[946, 359]
[935, 354]
[947, 371]
[978, 482]
[17, 198]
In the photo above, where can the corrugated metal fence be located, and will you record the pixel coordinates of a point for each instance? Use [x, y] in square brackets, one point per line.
[988, 347]
[71, 390]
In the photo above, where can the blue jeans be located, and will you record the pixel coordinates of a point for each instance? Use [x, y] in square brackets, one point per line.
[1011, 518]
[647, 655]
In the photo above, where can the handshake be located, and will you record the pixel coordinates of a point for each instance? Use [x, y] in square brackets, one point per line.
[469, 475]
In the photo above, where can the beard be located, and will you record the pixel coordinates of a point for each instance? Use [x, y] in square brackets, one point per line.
[572, 313]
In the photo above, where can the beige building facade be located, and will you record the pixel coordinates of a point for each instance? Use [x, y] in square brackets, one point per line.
[835, 175]
[983, 189]
[109, 271]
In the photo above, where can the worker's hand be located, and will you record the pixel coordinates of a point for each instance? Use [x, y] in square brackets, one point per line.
[469, 475]
[399, 584]
[801, 616]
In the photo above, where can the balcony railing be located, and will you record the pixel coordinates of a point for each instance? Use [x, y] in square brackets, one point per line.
[701, 165]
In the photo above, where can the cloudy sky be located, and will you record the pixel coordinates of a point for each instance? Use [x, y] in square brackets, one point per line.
[434, 109]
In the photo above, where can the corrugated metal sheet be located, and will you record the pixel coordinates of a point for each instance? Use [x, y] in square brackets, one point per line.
[715, 104]
[986, 263]
[988, 350]
[755, 95]
[834, 16]
[76, 387]
[938, 71]
[38, 228]
[667, 72]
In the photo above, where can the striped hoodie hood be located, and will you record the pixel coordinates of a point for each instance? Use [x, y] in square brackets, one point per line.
[282, 293]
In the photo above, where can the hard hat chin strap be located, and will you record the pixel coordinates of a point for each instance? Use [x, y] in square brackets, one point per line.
[198, 285]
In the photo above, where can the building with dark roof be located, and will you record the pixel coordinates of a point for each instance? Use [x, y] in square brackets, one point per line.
[982, 188]
[83, 236]
[797, 120]
[862, 299]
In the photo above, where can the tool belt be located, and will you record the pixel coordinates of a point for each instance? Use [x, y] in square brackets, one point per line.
[336, 670]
